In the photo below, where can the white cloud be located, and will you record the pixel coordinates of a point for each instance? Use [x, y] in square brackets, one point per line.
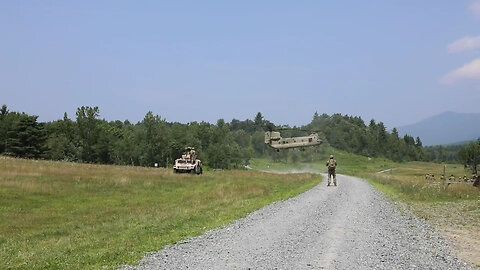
[475, 8]
[470, 71]
[464, 44]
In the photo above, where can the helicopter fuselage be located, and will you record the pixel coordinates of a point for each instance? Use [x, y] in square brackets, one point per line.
[274, 140]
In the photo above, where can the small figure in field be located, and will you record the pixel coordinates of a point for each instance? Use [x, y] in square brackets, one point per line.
[442, 178]
[465, 178]
[332, 165]
[427, 176]
[476, 182]
[451, 178]
[432, 177]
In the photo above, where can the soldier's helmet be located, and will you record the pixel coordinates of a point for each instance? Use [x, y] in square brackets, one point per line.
[331, 156]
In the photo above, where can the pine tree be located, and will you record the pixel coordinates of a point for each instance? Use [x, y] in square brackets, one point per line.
[258, 120]
[26, 138]
[4, 126]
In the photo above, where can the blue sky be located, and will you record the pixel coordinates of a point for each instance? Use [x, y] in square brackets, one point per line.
[394, 61]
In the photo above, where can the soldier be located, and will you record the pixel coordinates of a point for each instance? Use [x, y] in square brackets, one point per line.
[427, 176]
[332, 164]
[442, 178]
[476, 182]
[452, 178]
[193, 156]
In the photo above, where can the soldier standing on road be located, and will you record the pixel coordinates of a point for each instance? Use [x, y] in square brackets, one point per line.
[332, 165]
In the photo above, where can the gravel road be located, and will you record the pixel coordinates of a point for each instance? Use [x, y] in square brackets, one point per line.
[351, 226]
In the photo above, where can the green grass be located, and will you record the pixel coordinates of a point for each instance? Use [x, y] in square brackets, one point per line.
[266, 164]
[348, 163]
[56, 215]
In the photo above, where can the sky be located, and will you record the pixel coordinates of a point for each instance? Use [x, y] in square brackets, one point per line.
[394, 61]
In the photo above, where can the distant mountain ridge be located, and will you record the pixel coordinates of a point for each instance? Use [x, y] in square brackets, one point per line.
[445, 128]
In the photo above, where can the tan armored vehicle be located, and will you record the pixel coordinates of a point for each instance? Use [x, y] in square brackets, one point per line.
[188, 163]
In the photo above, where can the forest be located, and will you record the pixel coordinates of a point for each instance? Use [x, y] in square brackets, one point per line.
[88, 138]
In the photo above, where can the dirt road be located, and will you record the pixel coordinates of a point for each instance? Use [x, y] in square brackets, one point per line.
[351, 226]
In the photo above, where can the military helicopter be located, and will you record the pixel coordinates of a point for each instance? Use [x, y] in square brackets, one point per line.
[274, 140]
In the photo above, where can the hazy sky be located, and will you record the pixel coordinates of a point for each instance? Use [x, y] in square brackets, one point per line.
[395, 61]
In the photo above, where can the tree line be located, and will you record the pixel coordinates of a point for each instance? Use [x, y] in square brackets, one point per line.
[88, 138]
[444, 153]
[350, 133]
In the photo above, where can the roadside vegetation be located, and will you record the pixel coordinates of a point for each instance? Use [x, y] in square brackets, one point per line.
[61, 215]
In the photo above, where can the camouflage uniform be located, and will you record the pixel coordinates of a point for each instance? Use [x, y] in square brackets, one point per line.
[332, 165]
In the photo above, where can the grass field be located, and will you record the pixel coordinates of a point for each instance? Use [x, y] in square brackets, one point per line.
[453, 210]
[348, 163]
[58, 215]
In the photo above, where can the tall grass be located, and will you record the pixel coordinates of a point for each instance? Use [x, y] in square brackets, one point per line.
[407, 182]
[57, 215]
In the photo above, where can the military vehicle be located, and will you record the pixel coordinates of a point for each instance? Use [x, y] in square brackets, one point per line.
[274, 140]
[188, 163]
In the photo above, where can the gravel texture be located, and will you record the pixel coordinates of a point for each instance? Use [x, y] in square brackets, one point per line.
[351, 226]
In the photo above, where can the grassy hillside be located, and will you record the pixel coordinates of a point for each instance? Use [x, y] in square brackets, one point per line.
[57, 215]
[347, 163]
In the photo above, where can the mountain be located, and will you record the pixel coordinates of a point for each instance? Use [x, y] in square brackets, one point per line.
[445, 128]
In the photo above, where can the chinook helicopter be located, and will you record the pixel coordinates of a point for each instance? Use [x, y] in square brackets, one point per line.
[274, 140]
